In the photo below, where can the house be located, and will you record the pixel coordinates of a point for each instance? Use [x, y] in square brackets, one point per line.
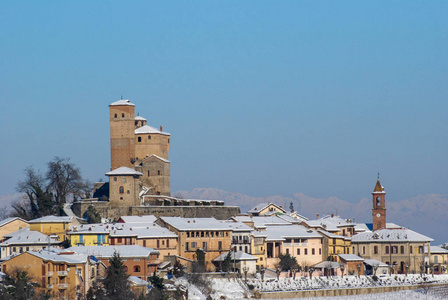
[353, 264]
[298, 241]
[208, 234]
[54, 225]
[240, 236]
[333, 224]
[139, 261]
[10, 225]
[438, 260]
[266, 208]
[333, 245]
[89, 235]
[241, 262]
[26, 240]
[402, 249]
[64, 274]
[375, 267]
[146, 220]
[259, 248]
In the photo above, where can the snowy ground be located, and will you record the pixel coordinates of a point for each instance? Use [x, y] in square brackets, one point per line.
[234, 289]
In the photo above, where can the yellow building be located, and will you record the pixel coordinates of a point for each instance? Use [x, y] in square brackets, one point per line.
[259, 248]
[89, 235]
[10, 225]
[333, 245]
[207, 234]
[64, 275]
[266, 209]
[53, 225]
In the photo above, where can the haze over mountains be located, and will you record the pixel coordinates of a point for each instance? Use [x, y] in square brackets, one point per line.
[426, 214]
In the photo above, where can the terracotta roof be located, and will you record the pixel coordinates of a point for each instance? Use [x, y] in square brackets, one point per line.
[378, 187]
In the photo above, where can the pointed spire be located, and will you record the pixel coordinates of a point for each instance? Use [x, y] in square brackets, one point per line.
[378, 187]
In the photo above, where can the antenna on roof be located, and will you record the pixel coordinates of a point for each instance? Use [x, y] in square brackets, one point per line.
[378, 175]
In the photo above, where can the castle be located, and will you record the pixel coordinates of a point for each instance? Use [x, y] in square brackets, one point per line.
[139, 177]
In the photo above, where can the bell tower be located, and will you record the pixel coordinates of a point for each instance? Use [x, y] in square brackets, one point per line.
[379, 206]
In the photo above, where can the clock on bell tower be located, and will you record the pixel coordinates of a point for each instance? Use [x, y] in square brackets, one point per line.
[379, 206]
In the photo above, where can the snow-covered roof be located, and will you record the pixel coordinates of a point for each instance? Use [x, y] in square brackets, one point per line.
[124, 171]
[328, 226]
[291, 231]
[238, 226]
[391, 235]
[122, 102]
[139, 118]
[237, 256]
[156, 156]
[89, 229]
[73, 258]
[149, 129]
[138, 219]
[393, 226]
[350, 257]
[141, 231]
[332, 235]
[195, 223]
[327, 264]
[52, 219]
[137, 281]
[374, 262]
[10, 219]
[124, 251]
[28, 237]
[436, 250]
[361, 227]
[262, 206]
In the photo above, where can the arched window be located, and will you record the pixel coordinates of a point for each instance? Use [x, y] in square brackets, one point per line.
[378, 201]
[158, 172]
[128, 192]
[122, 115]
[121, 190]
[136, 268]
[115, 115]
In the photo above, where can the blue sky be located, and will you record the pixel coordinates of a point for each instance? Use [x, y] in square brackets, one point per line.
[261, 97]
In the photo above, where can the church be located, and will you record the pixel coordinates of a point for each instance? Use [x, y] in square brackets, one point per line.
[139, 176]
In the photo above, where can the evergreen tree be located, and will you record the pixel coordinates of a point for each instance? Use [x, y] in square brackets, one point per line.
[92, 215]
[227, 262]
[116, 282]
[287, 262]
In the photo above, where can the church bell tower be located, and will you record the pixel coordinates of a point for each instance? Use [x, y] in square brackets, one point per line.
[379, 206]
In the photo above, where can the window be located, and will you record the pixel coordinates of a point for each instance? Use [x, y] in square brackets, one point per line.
[378, 201]
[394, 249]
[128, 192]
[148, 173]
[306, 251]
[420, 249]
[122, 115]
[219, 245]
[186, 246]
[115, 178]
[149, 137]
[136, 268]
[121, 190]
[363, 249]
[410, 249]
[120, 240]
[313, 252]
[115, 115]
[124, 180]
[188, 234]
[287, 251]
[402, 249]
[193, 244]
[202, 233]
[387, 249]
[334, 241]
[298, 251]
[375, 250]
[158, 244]
[158, 172]
[204, 246]
[139, 139]
[320, 251]
[167, 243]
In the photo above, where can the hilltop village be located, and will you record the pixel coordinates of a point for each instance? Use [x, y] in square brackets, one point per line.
[153, 231]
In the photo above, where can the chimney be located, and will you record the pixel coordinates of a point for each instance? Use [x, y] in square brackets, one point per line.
[317, 215]
[161, 128]
[332, 215]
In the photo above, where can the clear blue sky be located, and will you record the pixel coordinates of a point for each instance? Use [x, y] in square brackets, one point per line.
[261, 97]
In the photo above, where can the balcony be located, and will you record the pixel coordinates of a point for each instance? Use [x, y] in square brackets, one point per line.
[63, 286]
[62, 273]
[50, 286]
[235, 241]
[295, 244]
[50, 274]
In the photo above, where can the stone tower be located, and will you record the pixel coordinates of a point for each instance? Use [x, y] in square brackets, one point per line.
[379, 207]
[122, 138]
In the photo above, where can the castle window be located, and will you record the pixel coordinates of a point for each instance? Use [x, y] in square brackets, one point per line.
[148, 173]
[122, 115]
[375, 250]
[128, 192]
[158, 172]
[121, 190]
[378, 201]
[139, 139]
[124, 180]
[149, 137]
[136, 268]
[115, 115]
[115, 178]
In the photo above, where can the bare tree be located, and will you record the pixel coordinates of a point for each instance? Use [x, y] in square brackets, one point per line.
[64, 178]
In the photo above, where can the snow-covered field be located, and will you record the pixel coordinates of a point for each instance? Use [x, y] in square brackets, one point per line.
[235, 289]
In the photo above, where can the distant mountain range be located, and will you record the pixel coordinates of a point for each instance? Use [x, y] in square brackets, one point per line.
[426, 214]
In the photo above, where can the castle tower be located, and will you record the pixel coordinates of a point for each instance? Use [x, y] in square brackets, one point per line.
[379, 206]
[122, 125]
